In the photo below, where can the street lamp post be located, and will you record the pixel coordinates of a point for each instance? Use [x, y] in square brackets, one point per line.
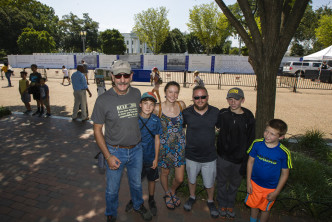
[83, 36]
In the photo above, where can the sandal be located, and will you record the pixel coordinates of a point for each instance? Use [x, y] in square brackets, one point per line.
[176, 200]
[169, 204]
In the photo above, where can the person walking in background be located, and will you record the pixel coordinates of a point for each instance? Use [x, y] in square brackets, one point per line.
[268, 170]
[85, 71]
[80, 88]
[44, 98]
[201, 154]
[118, 110]
[65, 75]
[8, 73]
[23, 89]
[237, 132]
[172, 140]
[4, 69]
[157, 82]
[35, 86]
[197, 80]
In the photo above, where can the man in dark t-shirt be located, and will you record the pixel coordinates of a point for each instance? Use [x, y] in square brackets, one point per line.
[201, 154]
[34, 87]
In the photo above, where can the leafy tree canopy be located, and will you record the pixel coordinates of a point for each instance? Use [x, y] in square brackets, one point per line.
[324, 30]
[174, 43]
[112, 42]
[152, 27]
[209, 25]
[31, 41]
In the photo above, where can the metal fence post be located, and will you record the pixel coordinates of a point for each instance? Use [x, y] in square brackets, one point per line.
[185, 78]
[219, 82]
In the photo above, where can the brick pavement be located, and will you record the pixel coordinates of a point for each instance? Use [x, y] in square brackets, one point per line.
[48, 173]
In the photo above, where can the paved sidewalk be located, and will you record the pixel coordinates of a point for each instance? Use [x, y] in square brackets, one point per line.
[48, 173]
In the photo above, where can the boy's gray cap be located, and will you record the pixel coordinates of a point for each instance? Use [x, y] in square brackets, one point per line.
[235, 93]
[120, 66]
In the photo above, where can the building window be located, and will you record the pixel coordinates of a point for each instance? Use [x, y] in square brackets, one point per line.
[132, 42]
[127, 50]
[127, 42]
[140, 50]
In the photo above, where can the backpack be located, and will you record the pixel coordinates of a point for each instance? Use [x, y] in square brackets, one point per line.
[160, 80]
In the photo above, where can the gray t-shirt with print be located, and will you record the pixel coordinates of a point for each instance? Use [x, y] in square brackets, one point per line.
[119, 113]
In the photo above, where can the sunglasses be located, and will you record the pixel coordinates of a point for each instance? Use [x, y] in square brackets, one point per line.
[118, 76]
[199, 97]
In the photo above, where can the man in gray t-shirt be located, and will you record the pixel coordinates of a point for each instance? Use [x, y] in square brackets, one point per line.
[117, 109]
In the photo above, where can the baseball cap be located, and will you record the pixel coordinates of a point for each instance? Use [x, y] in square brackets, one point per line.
[235, 93]
[120, 66]
[149, 95]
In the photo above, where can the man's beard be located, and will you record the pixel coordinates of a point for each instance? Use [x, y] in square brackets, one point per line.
[200, 107]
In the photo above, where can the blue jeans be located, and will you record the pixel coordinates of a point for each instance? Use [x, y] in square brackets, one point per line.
[8, 75]
[133, 160]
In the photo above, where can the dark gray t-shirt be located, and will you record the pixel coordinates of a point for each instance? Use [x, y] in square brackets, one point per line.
[119, 113]
[200, 134]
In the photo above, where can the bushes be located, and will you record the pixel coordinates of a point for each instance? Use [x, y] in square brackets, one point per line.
[4, 111]
[313, 145]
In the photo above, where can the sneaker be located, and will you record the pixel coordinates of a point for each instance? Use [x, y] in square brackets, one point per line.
[48, 114]
[188, 204]
[35, 113]
[146, 214]
[129, 206]
[153, 207]
[27, 112]
[111, 218]
[222, 212]
[41, 114]
[213, 210]
[230, 213]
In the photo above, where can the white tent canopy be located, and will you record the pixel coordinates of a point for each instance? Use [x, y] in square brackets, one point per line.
[325, 54]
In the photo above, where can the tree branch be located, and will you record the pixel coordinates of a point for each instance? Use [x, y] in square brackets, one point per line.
[237, 25]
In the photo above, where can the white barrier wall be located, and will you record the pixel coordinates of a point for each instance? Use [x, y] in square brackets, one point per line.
[192, 62]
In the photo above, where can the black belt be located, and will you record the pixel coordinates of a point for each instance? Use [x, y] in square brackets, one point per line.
[124, 147]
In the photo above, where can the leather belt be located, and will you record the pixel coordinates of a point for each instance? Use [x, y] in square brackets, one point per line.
[125, 147]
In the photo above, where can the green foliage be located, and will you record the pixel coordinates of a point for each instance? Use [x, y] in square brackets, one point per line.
[309, 188]
[31, 41]
[324, 30]
[174, 43]
[194, 46]
[70, 27]
[17, 15]
[4, 111]
[152, 27]
[297, 49]
[112, 42]
[234, 51]
[209, 25]
[313, 145]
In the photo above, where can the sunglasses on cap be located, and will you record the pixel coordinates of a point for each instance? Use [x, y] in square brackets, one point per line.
[118, 76]
[199, 97]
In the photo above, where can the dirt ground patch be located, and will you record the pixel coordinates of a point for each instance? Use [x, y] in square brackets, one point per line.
[304, 110]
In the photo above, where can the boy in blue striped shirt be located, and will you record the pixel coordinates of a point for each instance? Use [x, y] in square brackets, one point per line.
[267, 170]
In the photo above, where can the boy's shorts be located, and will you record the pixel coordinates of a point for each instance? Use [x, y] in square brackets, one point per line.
[151, 174]
[46, 102]
[209, 172]
[25, 97]
[257, 199]
[35, 92]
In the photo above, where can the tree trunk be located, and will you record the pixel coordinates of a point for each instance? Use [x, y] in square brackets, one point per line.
[266, 74]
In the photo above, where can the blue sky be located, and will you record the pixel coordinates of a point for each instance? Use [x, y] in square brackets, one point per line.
[120, 14]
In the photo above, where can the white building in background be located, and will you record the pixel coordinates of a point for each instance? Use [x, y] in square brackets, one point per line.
[134, 46]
